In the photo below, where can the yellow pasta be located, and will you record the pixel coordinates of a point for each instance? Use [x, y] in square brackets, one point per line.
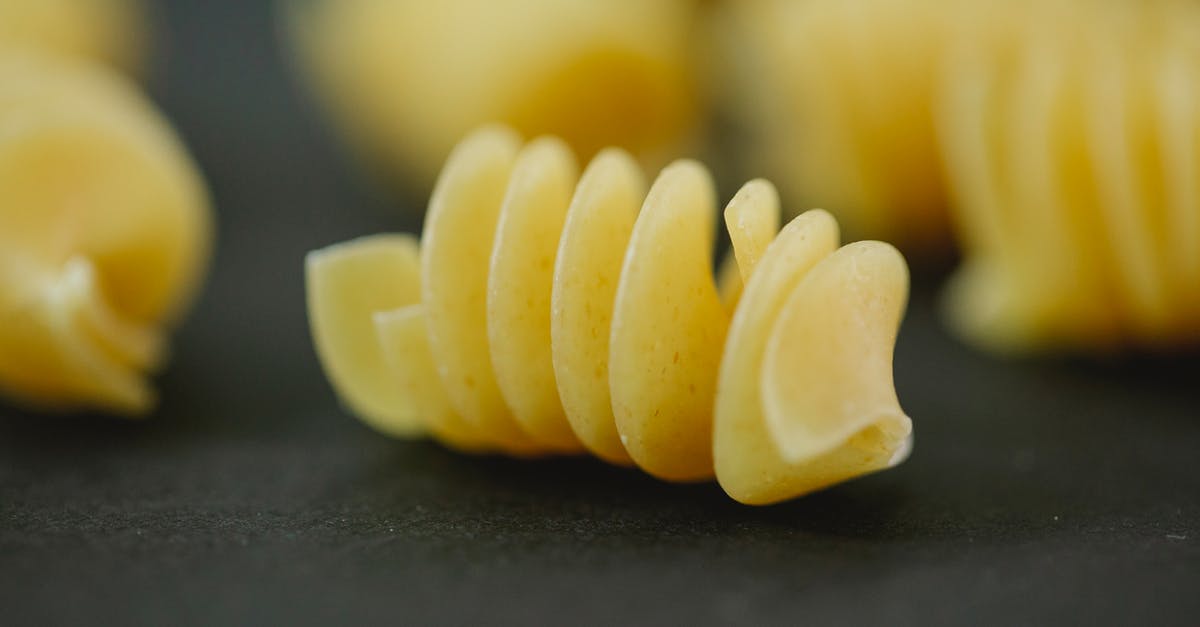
[405, 79]
[550, 311]
[1075, 158]
[837, 96]
[109, 31]
[104, 233]
[1055, 139]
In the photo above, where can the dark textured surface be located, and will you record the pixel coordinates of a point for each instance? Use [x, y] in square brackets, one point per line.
[1038, 492]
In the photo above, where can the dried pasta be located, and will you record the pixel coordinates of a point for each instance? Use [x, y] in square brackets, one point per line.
[108, 31]
[405, 79]
[104, 233]
[837, 98]
[1054, 140]
[546, 311]
[1075, 159]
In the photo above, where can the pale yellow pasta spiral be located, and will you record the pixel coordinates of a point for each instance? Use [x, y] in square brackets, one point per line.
[104, 234]
[544, 313]
[1075, 157]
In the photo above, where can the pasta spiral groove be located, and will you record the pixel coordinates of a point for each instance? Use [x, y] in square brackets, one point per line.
[544, 313]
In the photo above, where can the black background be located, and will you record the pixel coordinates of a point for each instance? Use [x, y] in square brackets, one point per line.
[1049, 492]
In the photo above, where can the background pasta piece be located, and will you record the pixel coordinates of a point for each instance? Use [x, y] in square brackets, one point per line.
[836, 98]
[53, 358]
[1074, 159]
[108, 31]
[1056, 141]
[104, 235]
[346, 285]
[405, 79]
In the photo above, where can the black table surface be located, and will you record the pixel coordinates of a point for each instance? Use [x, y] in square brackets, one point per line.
[1054, 492]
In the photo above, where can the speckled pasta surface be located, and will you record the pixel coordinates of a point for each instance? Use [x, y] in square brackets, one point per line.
[550, 310]
[104, 236]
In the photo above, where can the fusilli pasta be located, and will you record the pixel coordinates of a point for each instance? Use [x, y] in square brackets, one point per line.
[543, 313]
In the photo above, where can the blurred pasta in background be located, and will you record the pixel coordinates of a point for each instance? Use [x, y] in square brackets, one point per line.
[406, 79]
[1074, 155]
[1056, 142]
[835, 101]
[105, 226]
[113, 32]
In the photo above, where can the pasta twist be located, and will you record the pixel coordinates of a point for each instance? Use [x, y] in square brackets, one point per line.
[543, 313]
[1075, 158]
[104, 234]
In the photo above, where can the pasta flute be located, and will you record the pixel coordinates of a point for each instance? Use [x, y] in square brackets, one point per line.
[544, 313]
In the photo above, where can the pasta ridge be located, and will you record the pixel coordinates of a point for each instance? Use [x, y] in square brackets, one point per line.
[548, 311]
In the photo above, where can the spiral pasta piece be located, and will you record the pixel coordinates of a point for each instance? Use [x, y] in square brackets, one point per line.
[406, 79]
[104, 234]
[107, 31]
[553, 312]
[1076, 157]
